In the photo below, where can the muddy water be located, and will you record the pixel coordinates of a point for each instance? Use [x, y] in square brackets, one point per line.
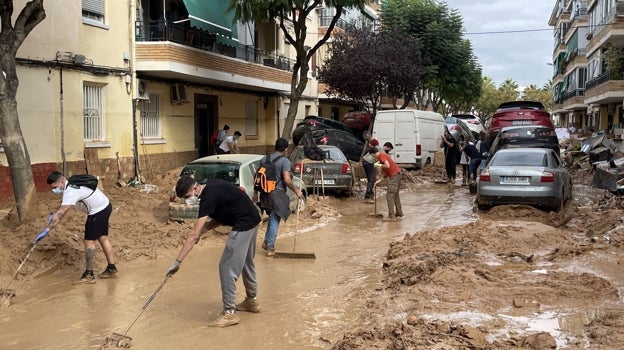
[307, 304]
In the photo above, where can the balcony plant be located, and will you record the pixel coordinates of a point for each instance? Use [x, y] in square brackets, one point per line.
[613, 61]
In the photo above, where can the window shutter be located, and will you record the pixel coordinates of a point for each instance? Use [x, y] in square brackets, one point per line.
[93, 6]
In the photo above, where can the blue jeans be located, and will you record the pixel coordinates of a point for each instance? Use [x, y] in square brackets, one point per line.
[474, 165]
[271, 232]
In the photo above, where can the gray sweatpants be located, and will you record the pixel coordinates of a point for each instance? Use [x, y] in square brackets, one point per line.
[238, 257]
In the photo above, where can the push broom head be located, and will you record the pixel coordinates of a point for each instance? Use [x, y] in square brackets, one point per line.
[293, 255]
[5, 296]
[118, 340]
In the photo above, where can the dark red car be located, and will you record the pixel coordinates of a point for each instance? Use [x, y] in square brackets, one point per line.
[518, 113]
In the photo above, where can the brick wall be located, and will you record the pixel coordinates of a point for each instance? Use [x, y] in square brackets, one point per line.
[150, 165]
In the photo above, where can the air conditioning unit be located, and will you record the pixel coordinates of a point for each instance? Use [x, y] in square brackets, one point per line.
[178, 93]
[142, 90]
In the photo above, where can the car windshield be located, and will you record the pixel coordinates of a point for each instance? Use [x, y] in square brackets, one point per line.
[519, 159]
[335, 154]
[223, 171]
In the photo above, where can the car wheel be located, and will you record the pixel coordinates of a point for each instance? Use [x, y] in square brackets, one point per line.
[559, 205]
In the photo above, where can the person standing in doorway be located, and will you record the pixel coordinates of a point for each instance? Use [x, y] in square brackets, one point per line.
[276, 203]
[393, 173]
[222, 203]
[98, 207]
[230, 144]
[367, 163]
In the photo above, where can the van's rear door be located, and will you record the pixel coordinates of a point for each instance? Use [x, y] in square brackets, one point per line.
[405, 142]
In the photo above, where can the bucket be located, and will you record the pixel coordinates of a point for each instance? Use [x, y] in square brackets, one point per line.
[472, 187]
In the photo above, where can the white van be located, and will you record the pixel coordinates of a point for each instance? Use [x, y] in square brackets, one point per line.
[414, 134]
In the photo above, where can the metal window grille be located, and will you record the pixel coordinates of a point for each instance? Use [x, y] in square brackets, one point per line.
[92, 113]
[93, 9]
[150, 117]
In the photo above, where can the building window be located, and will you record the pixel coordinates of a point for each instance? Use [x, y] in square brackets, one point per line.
[150, 117]
[251, 118]
[93, 10]
[93, 116]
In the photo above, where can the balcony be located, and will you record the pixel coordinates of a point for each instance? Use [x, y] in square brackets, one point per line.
[206, 41]
[604, 89]
[181, 52]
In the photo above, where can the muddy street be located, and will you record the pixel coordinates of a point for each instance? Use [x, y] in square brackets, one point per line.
[513, 277]
[306, 303]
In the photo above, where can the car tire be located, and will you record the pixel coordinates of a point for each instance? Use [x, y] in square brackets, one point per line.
[559, 205]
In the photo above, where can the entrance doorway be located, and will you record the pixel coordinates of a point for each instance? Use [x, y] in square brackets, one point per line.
[206, 123]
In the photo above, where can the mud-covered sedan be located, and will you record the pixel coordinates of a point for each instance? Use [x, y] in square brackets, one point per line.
[533, 176]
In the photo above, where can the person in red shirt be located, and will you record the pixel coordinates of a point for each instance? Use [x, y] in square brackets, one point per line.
[393, 173]
[367, 162]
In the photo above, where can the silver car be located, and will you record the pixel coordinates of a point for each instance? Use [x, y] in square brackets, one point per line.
[336, 170]
[534, 176]
[238, 169]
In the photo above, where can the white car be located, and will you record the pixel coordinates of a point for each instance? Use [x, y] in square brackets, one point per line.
[238, 169]
[472, 122]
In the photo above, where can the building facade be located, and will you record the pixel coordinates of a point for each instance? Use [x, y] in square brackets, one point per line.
[588, 63]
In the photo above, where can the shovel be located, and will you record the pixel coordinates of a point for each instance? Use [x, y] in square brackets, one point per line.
[121, 340]
[375, 214]
[6, 294]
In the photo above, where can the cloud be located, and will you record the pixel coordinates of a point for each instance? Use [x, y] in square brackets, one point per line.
[520, 56]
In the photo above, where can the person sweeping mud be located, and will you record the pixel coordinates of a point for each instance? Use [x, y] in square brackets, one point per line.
[222, 203]
[98, 207]
[276, 203]
[393, 173]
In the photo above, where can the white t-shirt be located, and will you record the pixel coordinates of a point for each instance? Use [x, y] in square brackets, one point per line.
[85, 199]
[224, 145]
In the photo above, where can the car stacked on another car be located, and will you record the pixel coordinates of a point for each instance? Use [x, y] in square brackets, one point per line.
[527, 136]
[534, 176]
[333, 173]
[238, 169]
[472, 122]
[311, 123]
[459, 130]
[517, 113]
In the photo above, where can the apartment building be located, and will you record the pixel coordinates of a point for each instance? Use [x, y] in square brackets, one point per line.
[588, 79]
[75, 98]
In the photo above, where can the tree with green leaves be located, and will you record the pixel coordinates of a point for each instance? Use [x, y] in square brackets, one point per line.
[509, 90]
[534, 93]
[488, 101]
[451, 65]
[293, 13]
[12, 35]
[365, 65]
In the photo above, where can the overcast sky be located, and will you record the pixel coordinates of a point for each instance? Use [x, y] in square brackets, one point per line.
[522, 57]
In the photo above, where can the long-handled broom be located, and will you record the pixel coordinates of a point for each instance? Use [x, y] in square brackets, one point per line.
[293, 254]
[6, 294]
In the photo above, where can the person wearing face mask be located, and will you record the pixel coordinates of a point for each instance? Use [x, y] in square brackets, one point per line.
[222, 203]
[98, 207]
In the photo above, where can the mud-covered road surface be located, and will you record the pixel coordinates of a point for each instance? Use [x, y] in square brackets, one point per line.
[442, 277]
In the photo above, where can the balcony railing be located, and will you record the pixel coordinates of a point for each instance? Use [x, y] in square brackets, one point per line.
[574, 93]
[597, 81]
[326, 20]
[206, 41]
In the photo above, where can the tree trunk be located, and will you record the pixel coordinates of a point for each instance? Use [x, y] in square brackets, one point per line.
[11, 38]
[297, 86]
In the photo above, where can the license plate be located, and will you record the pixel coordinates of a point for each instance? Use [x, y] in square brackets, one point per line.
[521, 122]
[514, 179]
[325, 182]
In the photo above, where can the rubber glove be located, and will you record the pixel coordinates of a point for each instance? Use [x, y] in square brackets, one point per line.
[41, 235]
[173, 268]
[377, 165]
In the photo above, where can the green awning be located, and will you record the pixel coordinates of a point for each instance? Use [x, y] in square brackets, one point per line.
[212, 16]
